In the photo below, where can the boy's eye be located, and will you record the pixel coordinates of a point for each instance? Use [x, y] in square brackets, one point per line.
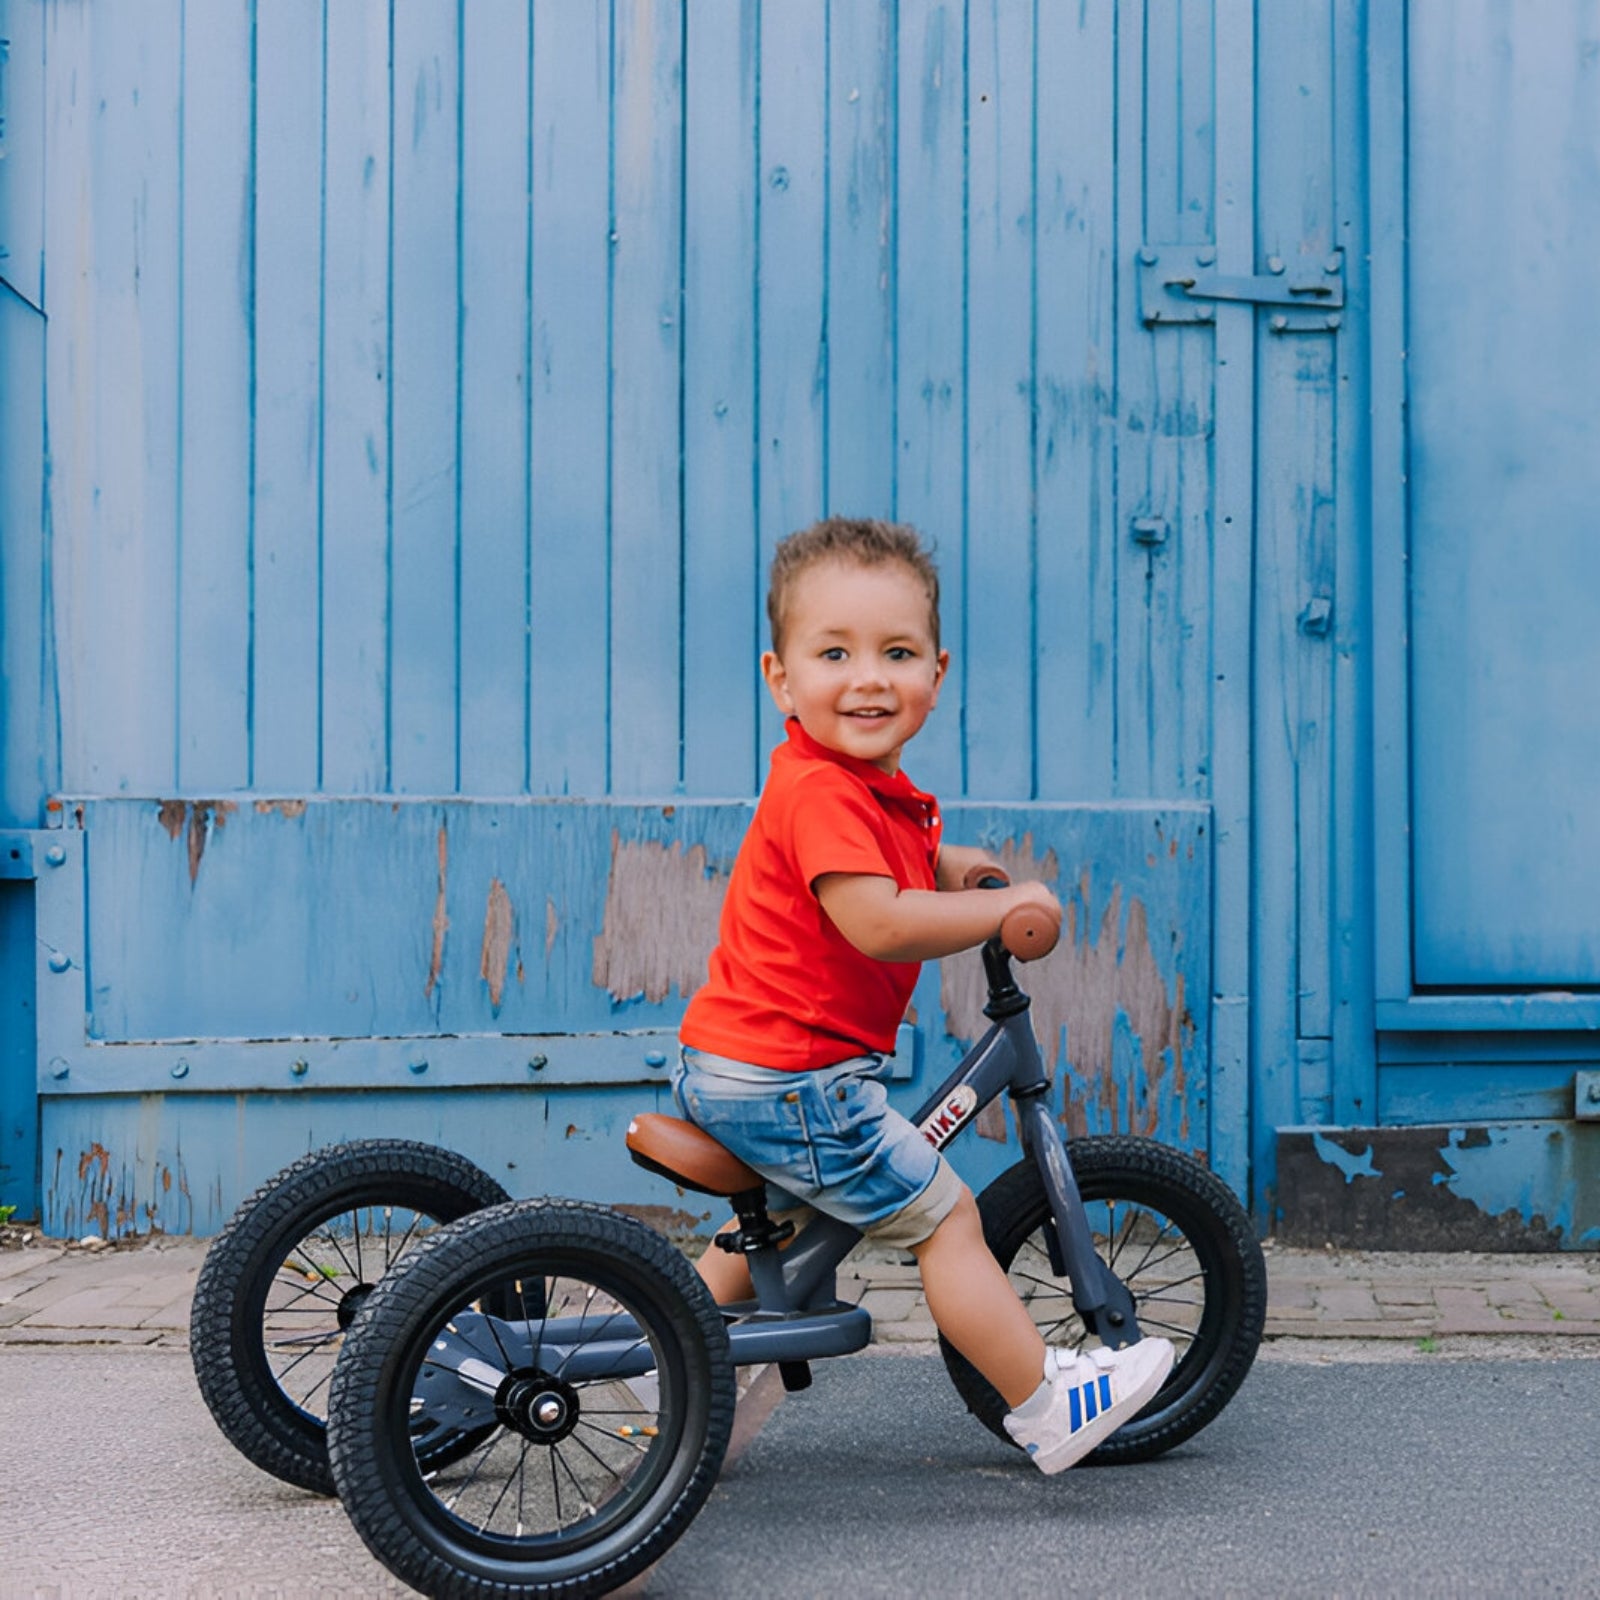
[833, 653]
[900, 652]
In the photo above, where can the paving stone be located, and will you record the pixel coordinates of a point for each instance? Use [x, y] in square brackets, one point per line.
[890, 1305]
[26, 1335]
[917, 1330]
[1282, 1295]
[104, 1307]
[15, 1262]
[1348, 1303]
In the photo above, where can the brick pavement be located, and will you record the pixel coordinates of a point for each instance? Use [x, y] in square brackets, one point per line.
[139, 1295]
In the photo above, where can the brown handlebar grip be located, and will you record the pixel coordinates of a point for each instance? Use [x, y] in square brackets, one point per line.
[984, 874]
[1029, 932]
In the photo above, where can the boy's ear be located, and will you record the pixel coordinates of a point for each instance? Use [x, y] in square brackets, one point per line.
[941, 666]
[777, 682]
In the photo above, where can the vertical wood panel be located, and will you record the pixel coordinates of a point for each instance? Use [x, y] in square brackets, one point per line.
[569, 649]
[354, 442]
[1000, 624]
[1165, 391]
[1294, 501]
[723, 588]
[792, 357]
[424, 573]
[930, 397]
[65, 493]
[1075, 449]
[214, 447]
[285, 599]
[861, 243]
[494, 399]
[646, 322]
[126, 377]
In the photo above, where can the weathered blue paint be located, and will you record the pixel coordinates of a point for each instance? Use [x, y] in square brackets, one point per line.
[421, 390]
[1509, 1186]
[464, 950]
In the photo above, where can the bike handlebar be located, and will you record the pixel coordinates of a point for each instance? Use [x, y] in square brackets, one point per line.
[1027, 932]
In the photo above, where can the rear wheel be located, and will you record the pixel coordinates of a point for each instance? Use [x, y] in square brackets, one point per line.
[603, 1394]
[286, 1278]
[1181, 1243]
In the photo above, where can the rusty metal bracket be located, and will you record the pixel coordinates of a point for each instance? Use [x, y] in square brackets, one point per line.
[1179, 284]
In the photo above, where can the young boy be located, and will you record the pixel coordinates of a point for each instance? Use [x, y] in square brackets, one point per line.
[841, 889]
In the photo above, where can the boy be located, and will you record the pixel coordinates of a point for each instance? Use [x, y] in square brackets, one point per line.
[841, 889]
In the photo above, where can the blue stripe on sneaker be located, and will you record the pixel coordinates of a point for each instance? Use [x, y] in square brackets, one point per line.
[1076, 1407]
[1090, 1400]
[1105, 1392]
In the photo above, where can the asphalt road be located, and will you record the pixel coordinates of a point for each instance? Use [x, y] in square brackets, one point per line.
[1412, 1478]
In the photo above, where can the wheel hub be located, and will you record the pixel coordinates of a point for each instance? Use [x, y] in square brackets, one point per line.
[539, 1407]
[351, 1303]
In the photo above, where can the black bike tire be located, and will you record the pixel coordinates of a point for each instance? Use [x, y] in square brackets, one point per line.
[1206, 1376]
[369, 1448]
[225, 1338]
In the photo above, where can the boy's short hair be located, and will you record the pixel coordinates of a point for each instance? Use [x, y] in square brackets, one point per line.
[864, 540]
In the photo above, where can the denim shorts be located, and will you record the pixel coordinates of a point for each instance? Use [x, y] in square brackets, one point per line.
[826, 1138]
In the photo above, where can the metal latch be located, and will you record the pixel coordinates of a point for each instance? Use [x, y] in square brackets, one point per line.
[1178, 283]
[1586, 1096]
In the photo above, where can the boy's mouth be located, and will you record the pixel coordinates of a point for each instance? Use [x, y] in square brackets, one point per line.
[871, 714]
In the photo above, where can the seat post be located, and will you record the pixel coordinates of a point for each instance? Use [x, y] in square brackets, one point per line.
[757, 1241]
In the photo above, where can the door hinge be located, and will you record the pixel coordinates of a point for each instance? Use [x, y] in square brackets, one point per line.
[1179, 283]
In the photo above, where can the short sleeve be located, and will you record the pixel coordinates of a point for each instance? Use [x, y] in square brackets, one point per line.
[836, 826]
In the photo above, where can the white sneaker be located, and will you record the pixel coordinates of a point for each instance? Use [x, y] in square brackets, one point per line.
[1091, 1396]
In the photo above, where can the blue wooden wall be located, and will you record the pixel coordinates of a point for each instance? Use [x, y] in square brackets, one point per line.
[402, 401]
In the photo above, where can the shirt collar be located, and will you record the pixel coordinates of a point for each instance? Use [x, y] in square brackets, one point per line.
[892, 785]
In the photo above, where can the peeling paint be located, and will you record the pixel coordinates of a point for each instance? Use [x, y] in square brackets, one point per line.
[441, 920]
[1079, 991]
[552, 926]
[203, 816]
[292, 809]
[499, 930]
[663, 905]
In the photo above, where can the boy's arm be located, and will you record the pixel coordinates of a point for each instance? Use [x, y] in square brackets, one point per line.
[892, 924]
[957, 860]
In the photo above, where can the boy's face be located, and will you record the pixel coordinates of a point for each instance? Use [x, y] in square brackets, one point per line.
[859, 667]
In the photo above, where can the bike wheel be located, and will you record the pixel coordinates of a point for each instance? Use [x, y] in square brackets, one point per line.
[284, 1279]
[1181, 1243]
[609, 1388]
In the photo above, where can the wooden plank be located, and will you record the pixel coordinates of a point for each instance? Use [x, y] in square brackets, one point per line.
[1233, 569]
[792, 354]
[1352, 955]
[354, 444]
[425, 289]
[213, 447]
[22, 173]
[931, 375]
[1163, 597]
[861, 233]
[644, 441]
[495, 179]
[569, 650]
[1074, 450]
[999, 641]
[724, 627]
[120, 679]
[285, 610]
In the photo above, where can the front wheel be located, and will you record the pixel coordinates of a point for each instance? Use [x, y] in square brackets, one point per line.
[601, 1387]
[1181, 1243]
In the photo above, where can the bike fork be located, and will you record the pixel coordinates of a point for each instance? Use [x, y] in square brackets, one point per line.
[1098, 1295]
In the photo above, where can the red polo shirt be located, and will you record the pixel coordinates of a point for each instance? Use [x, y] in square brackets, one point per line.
[786, 988]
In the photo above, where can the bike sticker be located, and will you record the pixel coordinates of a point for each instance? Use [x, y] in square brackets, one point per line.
[945, 1123]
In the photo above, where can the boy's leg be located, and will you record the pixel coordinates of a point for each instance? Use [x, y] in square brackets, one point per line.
[726, 1275]
[976, 1309]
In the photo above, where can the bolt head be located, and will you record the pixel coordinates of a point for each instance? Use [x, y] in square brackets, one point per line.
[56, 856]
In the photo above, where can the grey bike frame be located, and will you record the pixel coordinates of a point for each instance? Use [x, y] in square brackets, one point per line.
[1005, 1058]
